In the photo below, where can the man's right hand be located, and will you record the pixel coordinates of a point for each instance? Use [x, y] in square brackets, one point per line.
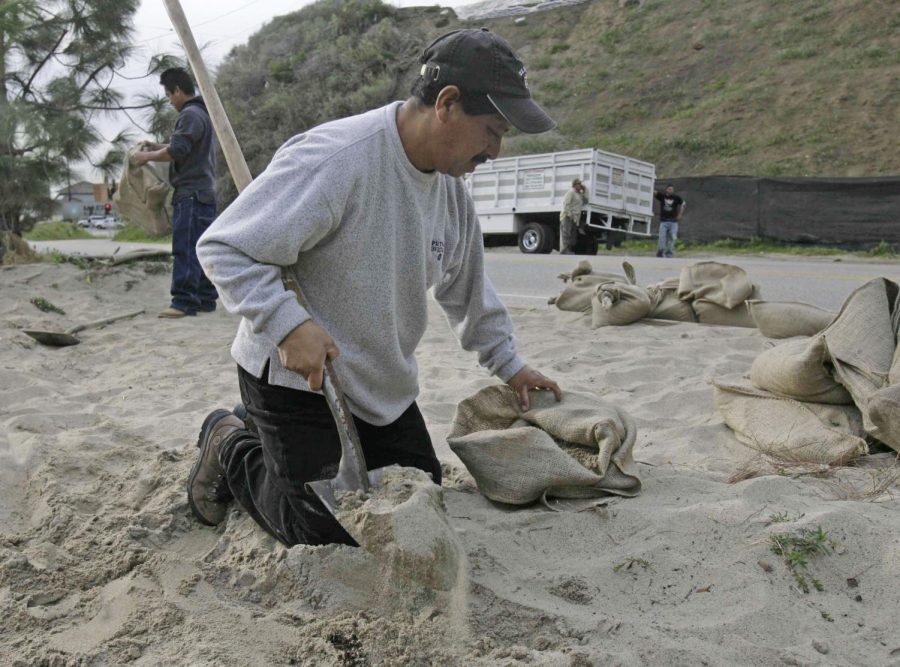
[304, 351]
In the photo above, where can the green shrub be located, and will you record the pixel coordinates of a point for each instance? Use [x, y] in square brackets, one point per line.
[138, 235]
[882, 249]
[56, 231]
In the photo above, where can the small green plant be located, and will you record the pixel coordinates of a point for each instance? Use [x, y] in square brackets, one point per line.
[57, 257]
[630, 562]
[558, 48]
[797, 549]
[779, 517]
[553, 87]
[611, 37]
[800, 53]
[45, 306]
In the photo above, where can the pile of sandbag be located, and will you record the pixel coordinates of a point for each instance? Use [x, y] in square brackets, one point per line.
[578, 448]
[144, 196]
[814, 400]
[706, 292]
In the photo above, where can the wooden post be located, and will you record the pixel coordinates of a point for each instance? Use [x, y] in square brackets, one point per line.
[240, 172]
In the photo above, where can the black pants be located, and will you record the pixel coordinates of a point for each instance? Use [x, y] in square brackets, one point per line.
[296, 441]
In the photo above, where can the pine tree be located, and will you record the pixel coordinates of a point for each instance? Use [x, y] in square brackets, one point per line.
[58, 61]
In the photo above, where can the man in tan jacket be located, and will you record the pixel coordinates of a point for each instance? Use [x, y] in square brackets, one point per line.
[569, 217]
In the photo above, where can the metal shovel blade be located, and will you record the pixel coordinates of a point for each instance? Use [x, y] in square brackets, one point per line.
[67, 337]
[53, 338]
[352, 474]
[325, 490]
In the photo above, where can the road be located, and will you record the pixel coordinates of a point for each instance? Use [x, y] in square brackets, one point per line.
[528, 280]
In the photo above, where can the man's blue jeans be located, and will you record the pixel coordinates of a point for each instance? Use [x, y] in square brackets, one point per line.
[668, 234]
[191, 289]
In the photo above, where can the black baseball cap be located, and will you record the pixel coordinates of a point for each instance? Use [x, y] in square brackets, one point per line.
[482, 63]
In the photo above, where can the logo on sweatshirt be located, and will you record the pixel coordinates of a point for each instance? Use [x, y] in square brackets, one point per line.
[437, 248]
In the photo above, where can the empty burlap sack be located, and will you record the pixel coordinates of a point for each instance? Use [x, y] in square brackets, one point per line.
[786, 319]
[514, 456]
[144, 196]
[790, 430]
[799, 369]
[721, 284]
[615, 304]
[665, 304]
[860, 344]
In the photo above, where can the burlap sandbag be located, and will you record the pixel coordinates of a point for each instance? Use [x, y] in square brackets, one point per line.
[665, 304]
[860, 344]
[577, 296]
[799, 369]
[712, 313]
[515, 457]
[582, 268]
[721, 284]
[786, 319]
[144, 196]
[616, 304]
[884, 414]
[790, 430]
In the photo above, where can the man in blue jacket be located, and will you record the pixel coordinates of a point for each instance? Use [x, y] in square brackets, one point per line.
[190, 154]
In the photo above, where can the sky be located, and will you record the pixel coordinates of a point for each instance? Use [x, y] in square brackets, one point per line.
[218, 25]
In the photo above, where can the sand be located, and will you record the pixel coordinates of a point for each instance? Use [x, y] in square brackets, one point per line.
[101, 562]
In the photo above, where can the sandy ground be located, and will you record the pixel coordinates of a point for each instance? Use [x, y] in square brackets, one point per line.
[101, 562]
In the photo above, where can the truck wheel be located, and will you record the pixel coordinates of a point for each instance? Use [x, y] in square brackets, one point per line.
[533, 238]
[550, 235]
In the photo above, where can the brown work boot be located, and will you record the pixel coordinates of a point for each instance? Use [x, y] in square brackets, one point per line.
[207, 488]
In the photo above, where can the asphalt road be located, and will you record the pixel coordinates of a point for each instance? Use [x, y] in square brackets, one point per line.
[528, 280]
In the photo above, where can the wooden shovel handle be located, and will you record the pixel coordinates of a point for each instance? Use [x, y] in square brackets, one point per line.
[100, 323]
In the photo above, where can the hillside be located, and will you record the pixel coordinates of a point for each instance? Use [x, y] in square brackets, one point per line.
[760, 87]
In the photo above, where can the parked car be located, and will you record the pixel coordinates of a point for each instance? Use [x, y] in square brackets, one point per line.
[84, 223]
[106, 222]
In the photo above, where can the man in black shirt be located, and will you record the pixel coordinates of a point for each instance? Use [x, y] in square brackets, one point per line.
[671, 207]
[190, 154]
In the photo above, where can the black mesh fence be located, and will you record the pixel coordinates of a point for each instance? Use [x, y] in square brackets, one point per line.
[810, 210]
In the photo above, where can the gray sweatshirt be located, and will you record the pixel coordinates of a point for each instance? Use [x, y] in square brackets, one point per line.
[366, 235]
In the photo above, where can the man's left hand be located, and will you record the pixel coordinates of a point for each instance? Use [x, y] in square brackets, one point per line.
[528, 378]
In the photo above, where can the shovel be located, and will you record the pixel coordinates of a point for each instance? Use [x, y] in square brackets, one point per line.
[67, 337]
